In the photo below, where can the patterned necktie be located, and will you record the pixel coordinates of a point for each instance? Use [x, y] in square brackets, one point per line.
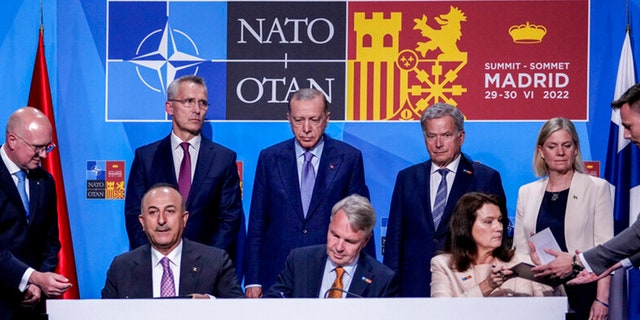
[167, 286]
[184, 178]
[307, 182]
[337, 284]
[22, 190]
[441, 198]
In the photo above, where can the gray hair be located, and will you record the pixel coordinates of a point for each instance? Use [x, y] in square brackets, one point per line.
[440, 110]
[555, 124]
[306, 94]
[359, 212]
[172, 90]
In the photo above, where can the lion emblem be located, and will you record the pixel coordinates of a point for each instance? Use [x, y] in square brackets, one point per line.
[445, 38]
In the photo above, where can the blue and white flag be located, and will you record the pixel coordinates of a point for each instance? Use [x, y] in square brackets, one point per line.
[622, 170]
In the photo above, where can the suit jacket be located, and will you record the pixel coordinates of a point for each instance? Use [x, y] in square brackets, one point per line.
[624, 245]
[203, 269]
[450, 283]
[35, 243]
[276, 221]
[302, 276]
[412, 239]
[588, 217]
[214, 203]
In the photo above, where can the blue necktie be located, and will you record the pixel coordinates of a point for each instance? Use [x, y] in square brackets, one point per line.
[307, 181]
[22, 190]
[441, 198]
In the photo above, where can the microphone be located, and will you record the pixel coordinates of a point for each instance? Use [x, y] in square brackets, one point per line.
[326, 293]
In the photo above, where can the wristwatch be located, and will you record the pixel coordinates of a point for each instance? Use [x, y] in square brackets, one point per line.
[575, 266]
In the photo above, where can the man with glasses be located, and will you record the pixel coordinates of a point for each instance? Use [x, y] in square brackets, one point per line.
[426, 193]
[297, 183]
[29, 242]
[203, 171]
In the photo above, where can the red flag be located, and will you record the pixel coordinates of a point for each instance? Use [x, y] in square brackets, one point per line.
[40, 98]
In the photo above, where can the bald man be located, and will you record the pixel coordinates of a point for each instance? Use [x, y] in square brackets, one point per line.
[29, 242]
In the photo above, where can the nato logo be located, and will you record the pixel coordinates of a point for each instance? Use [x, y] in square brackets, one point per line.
[149, 44]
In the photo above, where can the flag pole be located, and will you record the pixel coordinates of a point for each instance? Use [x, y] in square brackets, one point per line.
[40, 98]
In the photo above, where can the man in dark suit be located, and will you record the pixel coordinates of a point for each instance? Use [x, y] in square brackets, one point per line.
[338, 269]
[292, 198]
[624, 248]
[423, 200]
[29, 242]
[213, 196]
[148, 271]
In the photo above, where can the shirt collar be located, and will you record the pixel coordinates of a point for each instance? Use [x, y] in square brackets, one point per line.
[175, 255]
[316, 150]
[348, 268]
[453, 166]
[175, 141]
[11, 166]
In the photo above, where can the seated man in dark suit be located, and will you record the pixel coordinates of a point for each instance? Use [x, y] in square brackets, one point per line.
[338, 269]
[148, 271]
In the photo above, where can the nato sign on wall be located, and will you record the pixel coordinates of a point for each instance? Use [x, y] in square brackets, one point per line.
[375, 61]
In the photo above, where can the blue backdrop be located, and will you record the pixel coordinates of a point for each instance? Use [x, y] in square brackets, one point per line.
[75, 43]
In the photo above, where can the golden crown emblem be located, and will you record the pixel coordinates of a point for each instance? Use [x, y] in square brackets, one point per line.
[527, 33]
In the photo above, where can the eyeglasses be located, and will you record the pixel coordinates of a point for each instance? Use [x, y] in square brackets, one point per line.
[192, 102]
[46, 148]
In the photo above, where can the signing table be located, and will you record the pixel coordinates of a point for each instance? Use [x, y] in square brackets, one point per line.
[320, 309]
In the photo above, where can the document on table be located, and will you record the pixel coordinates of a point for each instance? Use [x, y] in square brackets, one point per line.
[544, 239]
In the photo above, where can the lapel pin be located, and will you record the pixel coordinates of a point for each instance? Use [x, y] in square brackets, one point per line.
[195, 269]
[467, 171]
[575, 197]
[367, 280]
[331, 166]
[466, 278]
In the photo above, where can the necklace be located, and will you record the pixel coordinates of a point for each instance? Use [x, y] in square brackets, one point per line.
[554, 196]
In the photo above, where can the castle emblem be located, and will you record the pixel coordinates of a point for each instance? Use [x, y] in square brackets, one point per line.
[390, 83]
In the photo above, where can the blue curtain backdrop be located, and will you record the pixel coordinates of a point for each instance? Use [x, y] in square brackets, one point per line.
[75, 43]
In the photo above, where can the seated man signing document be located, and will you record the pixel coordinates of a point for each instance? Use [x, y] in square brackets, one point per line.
[338, 269]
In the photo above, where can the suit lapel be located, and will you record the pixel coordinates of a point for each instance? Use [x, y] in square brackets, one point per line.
[330, 162]
[206, 158]
[288, 171]
[423, 184]
[9, 188]
[574, 213]
[141, 268]
[190, 269]
[163, 163]
[316, 271]
[36, 194]
[536, 203]
[362, 278]
[464, 177]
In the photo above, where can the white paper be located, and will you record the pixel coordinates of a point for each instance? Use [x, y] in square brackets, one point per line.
[545, 239]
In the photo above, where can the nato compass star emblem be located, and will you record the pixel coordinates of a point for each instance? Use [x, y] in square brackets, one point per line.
[96, 172]
[175, 51]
